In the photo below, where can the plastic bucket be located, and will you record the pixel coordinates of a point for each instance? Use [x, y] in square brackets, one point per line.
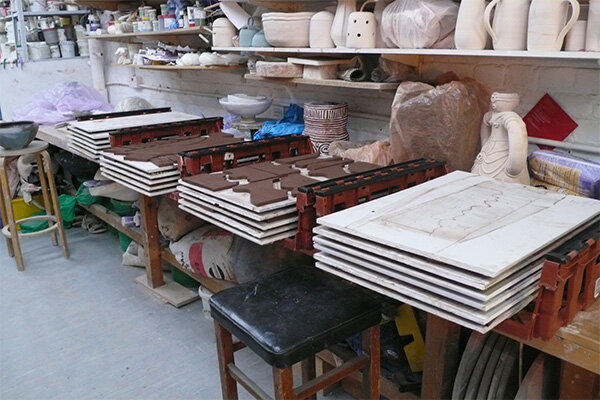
[55, 51]
[38, 51]
[83, 46]
[50, 35]
[67, 49]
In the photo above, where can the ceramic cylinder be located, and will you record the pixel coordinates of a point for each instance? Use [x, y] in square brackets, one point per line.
[548, 24]
[361, 30]
[339, 27]
[509, 28]
[575, 40]
[470, 33]
[592, 37]
[319, 31]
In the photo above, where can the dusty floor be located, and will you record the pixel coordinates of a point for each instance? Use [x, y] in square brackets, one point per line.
[82, 329]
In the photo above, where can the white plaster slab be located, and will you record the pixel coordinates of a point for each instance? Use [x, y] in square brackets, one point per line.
[137, 188]
[426, 306]
[483, 299]
[84, 151]
[216, 202]
[135, 181]
[90, 135]
[241, 199]
[263, 226]
[144, 166]
[147, 179]
[476, 315]
[104, 144]
[242, 233]
[131, 121]
[171, 173]
[473, 222]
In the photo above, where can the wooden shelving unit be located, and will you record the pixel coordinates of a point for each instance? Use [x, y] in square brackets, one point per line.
[170, 32]
[229, 68]
[327, 82]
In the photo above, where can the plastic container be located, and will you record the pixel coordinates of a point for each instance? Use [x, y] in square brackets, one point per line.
[205, 296]
[183, 279]
[54, 51]
[23, 210]
[83, 46]
[62, 36]
[67, 49]
[50, 35]
[38, 51]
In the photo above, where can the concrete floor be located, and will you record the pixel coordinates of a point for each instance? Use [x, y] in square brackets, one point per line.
[82, 329]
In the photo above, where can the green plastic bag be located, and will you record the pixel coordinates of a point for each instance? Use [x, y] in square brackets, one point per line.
[84, 197]
[67, 210]
[121, 208]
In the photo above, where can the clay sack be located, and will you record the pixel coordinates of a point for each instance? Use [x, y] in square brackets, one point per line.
[410, 24]
[440, 122]
[173, 223]
[379, 152]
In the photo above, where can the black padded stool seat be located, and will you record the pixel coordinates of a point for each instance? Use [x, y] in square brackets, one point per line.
[291, 315]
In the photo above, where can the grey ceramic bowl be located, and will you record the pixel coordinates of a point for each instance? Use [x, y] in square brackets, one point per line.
[17, 135]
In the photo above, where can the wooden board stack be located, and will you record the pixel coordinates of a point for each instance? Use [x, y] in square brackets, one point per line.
[91, 137]
[258, 201]
[151, 168]
[465, 247]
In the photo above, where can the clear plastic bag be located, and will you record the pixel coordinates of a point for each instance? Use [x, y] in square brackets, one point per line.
[420, 24]
[58, 103]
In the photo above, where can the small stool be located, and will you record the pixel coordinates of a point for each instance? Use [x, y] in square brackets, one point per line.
[53, 215]
[289, 317]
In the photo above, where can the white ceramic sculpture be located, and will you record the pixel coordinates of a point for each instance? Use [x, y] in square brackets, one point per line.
[592, 36]
[361, 28]
[548, 24]
[470, 31]
[503, 152]
[339, 28]
[319, 33]
[509, 31]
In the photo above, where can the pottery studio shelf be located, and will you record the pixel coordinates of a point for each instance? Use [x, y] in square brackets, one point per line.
[170, 32]
[326, 82]
[54, 13]
[573, 55]
[225, 68]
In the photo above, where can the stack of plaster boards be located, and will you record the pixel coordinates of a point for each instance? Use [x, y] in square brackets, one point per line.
[464, 247]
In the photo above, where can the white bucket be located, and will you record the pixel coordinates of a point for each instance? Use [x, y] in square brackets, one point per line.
[55, 51]
[83, 47]
[67, 49]
[205, 296]
[38, 51]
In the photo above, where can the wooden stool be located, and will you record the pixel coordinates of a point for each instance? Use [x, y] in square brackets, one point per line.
[288, 317]
[53, 215]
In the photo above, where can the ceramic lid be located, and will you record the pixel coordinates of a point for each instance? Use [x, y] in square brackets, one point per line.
[222, 23]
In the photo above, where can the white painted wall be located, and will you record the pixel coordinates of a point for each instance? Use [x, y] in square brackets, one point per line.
[17, 86]
[575, 85]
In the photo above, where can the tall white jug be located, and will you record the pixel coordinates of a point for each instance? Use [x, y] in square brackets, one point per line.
[547, 28]
[470, 32]
[592, 36]
[509, 31]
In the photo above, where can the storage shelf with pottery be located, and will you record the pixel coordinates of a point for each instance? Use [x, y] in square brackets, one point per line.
[54, 13]
[327, 82]
[169, 32]
[229, 68]
[574, 55]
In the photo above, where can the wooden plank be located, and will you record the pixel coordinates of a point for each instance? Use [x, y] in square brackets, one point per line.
[248, 384]
[172, 32]
[170, 292]
[326, 82]
[114, 220]
[225, 357]
[577, 383]
[149, 210]
[330, 377]
[442, 339]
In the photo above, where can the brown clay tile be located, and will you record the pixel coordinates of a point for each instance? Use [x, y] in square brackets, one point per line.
[293, 182]
[214, 182]
[249, 173]
[262, 193]
[333, 172]
[292, 160]
[278, 170]
[358, 167]
[330, 162]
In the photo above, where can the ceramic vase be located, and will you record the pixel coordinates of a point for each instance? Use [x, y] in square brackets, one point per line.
[575, 39]
[592, 36]
[509, 29]
[339, 28]
[470, 31]
[548, 24]
[361, 29]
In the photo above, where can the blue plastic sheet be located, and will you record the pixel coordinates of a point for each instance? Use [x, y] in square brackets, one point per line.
[291, 123]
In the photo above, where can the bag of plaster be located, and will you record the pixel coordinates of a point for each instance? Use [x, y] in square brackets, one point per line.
[173, 223]
[410, 24]
[379, 152]
[566, 171]
[442, 122]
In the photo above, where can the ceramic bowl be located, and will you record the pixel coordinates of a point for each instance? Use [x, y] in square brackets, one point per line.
[287, 31]
[246, 110]
[244, 98]
[17, 135]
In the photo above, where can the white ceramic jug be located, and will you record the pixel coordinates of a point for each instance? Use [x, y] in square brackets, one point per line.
[547, 28]
[362, 28]
[339, 28]
[470, 31]
[509, 31]
[592, 36]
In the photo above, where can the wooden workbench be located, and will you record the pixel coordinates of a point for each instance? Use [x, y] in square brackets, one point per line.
[577, 344]
[148, 237]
